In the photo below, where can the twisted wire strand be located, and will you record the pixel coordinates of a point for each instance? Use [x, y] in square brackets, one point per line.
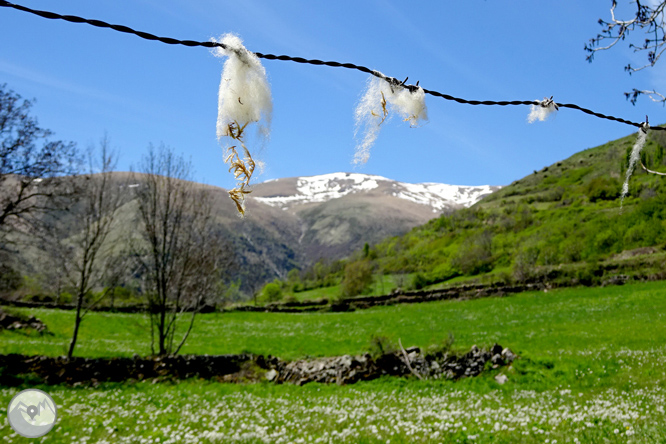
[392, 80]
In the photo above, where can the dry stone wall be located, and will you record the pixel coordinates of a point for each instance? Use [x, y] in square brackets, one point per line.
[345, 369]
[412, 362]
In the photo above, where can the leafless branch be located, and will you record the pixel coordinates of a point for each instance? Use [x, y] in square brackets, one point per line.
[30, 164]
[409, 366]
[650, 171]
[633, 96]
[648, 17]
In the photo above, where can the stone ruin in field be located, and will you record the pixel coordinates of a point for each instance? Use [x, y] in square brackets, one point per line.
[410, 362]
[9, 321]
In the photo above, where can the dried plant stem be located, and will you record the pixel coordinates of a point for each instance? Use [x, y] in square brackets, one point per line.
[384, 109]
[242, 167]
[650, 171]
[409, 366]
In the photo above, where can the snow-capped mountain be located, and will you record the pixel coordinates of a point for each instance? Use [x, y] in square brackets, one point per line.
[289, 192]
[335, 214]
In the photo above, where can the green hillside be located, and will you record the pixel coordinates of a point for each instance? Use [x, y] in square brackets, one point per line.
[564, 223]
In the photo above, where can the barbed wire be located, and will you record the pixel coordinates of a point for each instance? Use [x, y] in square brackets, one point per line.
[392, 80]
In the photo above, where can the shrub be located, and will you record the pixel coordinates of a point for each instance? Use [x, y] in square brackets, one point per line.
[357, 278]
[42, 298]
[10, 279]
[658, 155]
[272, 292]
[290, 299]
[572, 250]
[444, 347]
[65, 298]
[635, 235]
[525, 262]
[294, 280]
[590, 274]
[605, 241]
[504, 278]
[475, 254]
[552, 195]
[231, 292]
[549, 254]
[602, 188]
[419, 281]
[123, 293]
[443, 272]
[381, 345]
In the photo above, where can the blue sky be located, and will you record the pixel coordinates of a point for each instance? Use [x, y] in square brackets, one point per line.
[88, 81]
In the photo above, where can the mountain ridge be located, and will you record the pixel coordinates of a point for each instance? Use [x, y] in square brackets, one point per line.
[339, 212]
[326, 216]
[322, 188]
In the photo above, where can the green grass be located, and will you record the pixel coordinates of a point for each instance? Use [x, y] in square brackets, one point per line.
[569, 320]
[382, 285]
[591, 367]
[330, 293]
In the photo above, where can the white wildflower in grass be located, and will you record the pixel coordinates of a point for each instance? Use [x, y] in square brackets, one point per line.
[244, 98]
[205, 412]
[380, 99]
[542, 111]
[635, 157]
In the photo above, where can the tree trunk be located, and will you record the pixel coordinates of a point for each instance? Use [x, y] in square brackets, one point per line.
[77, 323]
[161, 331]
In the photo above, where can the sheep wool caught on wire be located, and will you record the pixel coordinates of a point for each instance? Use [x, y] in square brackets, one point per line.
[244, 98]
[634, 158]
[543, 110]
[380, 99]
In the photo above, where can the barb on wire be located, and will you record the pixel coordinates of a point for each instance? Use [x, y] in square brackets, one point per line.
[393, 80]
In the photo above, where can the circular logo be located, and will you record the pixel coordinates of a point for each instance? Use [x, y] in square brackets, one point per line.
[32, 413]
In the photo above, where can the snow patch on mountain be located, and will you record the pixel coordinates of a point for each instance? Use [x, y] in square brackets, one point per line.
[335, 185]
[440, 196]
[326, 187]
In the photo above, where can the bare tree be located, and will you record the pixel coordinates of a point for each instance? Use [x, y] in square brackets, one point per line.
[30, 165]
[649, 17]
[181, 256]
[101, 198]
[79, 243]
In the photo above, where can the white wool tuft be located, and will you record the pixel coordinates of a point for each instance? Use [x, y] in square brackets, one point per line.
[368, 116]
[633, 160]
[369, 113]
[410, 105]
[541, 112]
[245, 95]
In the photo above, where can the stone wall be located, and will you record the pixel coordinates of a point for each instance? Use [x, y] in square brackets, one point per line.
[247, 367]
[410, 362]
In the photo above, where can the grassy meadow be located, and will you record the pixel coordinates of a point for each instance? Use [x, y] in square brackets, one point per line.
[592, 369]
